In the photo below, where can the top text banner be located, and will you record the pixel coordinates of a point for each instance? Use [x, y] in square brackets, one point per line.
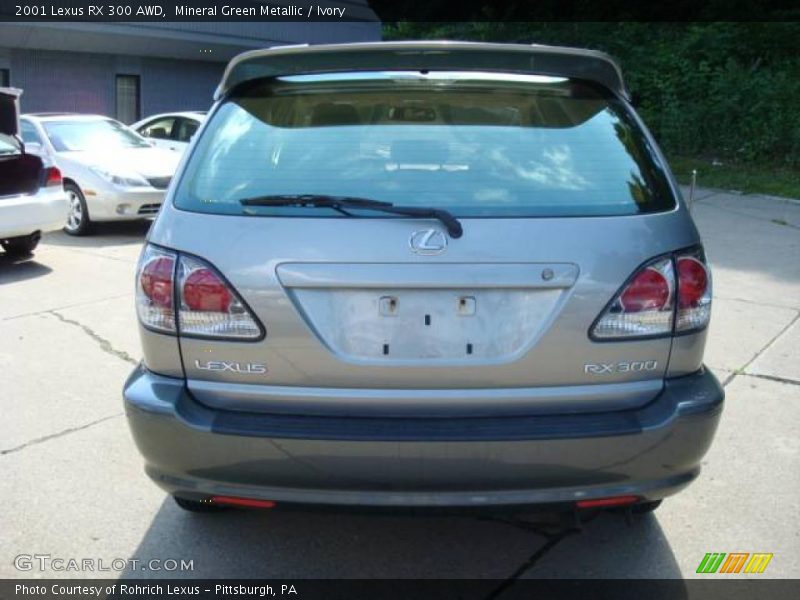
[389, 11]
[188, 10]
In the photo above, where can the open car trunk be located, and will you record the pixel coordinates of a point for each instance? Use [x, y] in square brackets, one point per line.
[20, 173]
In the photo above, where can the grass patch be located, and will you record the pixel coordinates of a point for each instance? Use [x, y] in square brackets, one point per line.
[747, 178]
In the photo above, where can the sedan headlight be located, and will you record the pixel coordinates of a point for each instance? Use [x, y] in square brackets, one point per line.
[121, 179]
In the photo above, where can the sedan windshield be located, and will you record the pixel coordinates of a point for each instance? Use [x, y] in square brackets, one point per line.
[472, 146]
[82, 134]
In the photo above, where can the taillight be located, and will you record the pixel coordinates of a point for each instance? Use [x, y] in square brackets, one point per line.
[154, 289]
[53, 177]
[649, 290]
[644, 306]
[669, 294]
[207, 306]
[694, 292]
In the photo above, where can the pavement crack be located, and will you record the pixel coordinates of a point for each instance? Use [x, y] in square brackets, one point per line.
[104, 344]
[534, 558]
[553, 534]
[68, 306]
[743, 369]
[772, 378]
[54, 436]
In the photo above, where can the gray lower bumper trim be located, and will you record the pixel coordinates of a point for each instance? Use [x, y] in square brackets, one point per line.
[695, 394]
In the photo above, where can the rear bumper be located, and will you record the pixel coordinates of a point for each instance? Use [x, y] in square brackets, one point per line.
[22, 215]
[651, 452]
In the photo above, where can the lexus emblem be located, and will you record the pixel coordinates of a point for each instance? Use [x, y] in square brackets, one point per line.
[428, 242]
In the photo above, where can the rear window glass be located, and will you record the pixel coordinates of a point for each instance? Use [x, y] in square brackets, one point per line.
[527, 147]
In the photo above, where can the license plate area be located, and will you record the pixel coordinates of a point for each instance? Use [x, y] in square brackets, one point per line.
[391, 325]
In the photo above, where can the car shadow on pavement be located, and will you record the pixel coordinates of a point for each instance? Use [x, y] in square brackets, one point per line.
[14, 269]
[102, 235]
[315, 545]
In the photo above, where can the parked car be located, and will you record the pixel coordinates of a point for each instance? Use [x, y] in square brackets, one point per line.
[423, 274]
[110, 172]
[171, 131]
[32, 199]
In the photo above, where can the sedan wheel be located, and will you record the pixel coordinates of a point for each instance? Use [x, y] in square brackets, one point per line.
[78, 217]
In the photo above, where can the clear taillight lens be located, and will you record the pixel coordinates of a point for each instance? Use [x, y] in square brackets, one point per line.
[155, 274]
[694, 292]
[208, 306]
[644, 307]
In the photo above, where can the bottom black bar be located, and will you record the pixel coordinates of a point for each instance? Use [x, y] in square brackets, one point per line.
[715, 587]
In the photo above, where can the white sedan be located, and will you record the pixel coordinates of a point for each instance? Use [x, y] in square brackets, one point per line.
[111, 173]
[172, 131]
[32, 199]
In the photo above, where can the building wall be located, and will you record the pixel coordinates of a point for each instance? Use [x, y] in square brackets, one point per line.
[163, 92]
[73, 67]
[83, 82]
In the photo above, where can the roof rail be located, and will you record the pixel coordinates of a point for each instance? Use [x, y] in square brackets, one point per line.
[415, 56]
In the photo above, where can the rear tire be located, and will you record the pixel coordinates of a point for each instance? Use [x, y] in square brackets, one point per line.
[78, 221]
[196, 506]
[22, 246]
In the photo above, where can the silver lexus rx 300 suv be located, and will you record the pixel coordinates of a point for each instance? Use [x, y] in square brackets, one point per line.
[423, 274]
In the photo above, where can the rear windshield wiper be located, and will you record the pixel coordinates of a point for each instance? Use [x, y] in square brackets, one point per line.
[342, 203]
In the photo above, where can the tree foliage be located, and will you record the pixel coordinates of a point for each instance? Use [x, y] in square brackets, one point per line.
[728, 90]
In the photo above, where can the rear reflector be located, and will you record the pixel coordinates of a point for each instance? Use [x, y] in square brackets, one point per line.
[607, 502]
[245, 502]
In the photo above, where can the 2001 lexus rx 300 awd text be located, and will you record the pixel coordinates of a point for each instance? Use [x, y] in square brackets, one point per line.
[423, 274]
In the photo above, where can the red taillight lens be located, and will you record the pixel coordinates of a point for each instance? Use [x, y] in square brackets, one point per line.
[54, 178]
[203, 290]
[156, 281]
[692, 282]
[209, 306]
[649, 290]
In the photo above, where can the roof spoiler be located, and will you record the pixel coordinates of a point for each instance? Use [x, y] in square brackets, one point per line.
[9, 111]
[532, 59]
